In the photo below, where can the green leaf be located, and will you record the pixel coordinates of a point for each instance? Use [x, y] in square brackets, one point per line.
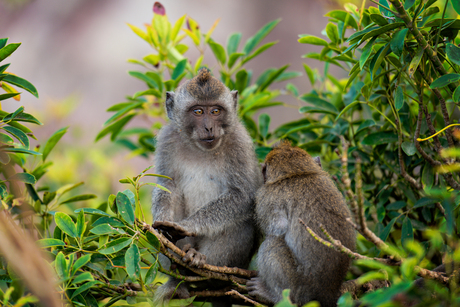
[397, 42]
[11, 116]
[219, 52]
[81, 224]
[115, 246]
[366, 52]
[396, 205]
[348, 107]
[126, 109]
[83, 260]
[153, 240]
[179, 70]
[92, 211]
[409, 148]
[23, 177]
[386, 231]
[233, 58]
[445, 80]
[343, 16]
[125, 208]
[272, 76]
[253, 41]
[18, 134]
[65, 223]
[78, 198]
[8, 95]
[379, 138]
[105, 229]
[85, 287]
[310, 74]
[407, 232]
[424, 201]
[378, 59]
[114, 128]
[456, 95]
[320, 103]
[384, 11]
[416, 61]
[455, 5]
[150, 81]
[258, 51]
[264, 123]
[332, 32]
[23, 117]
[313, 40]
[132, 259]
[428, 176]
[8, 50]
[408, 4]
[399, 98]
[52, 141]
[22, 83]
[151, 274]
[3, 42]
[378, 19]
[86, 276]
[233, 42]
[380, 30]
[49, 242]
[108, 220]
[61, 265]
[21, 150]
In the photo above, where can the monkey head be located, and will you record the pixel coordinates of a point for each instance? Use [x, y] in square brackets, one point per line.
[285, 161]
[203, 110]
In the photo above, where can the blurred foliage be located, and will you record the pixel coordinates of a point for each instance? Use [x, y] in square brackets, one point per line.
[403, 86]
[168, 66]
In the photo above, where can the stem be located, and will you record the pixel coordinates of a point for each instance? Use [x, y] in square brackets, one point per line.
[439, 29]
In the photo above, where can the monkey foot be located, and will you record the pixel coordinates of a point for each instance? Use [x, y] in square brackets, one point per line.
[193, 257]
[172, 231]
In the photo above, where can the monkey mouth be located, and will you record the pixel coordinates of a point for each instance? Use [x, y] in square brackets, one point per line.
[209, 142]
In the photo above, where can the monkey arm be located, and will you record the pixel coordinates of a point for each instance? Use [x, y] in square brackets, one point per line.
[230, 209]
[162, 202]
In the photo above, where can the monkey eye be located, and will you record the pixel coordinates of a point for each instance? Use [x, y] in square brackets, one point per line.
[198, 112]
[215, 111]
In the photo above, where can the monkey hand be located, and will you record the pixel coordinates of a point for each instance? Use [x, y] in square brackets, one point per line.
[193, 257]
[172, 231]
[257, 289]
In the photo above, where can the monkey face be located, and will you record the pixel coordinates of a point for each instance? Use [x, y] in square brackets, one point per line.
[205, 123]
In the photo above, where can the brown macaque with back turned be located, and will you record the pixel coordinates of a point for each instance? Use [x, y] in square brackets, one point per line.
[209, 155]
[289, 257]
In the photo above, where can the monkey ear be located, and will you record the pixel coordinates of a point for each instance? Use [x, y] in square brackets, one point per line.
[318, 161]
[170, 96]
[235, 98]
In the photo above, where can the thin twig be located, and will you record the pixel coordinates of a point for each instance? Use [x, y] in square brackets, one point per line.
[241, 296]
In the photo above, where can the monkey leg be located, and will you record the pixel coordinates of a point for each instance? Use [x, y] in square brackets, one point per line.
[278, 270]
[231, 248]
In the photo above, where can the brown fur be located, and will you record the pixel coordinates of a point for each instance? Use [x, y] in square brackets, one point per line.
[204, 86]
[289, 258]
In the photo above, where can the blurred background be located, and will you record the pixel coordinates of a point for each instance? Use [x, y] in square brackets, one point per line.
[75, 52]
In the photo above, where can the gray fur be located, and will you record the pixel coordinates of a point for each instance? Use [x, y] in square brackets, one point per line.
[213, 190]
[289, 257]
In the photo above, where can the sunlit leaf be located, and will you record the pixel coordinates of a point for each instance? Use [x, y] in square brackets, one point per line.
[132, 259]
[65, 223]
[52, 141]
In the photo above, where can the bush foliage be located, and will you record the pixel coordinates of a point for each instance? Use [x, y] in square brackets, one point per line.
[386, 133]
